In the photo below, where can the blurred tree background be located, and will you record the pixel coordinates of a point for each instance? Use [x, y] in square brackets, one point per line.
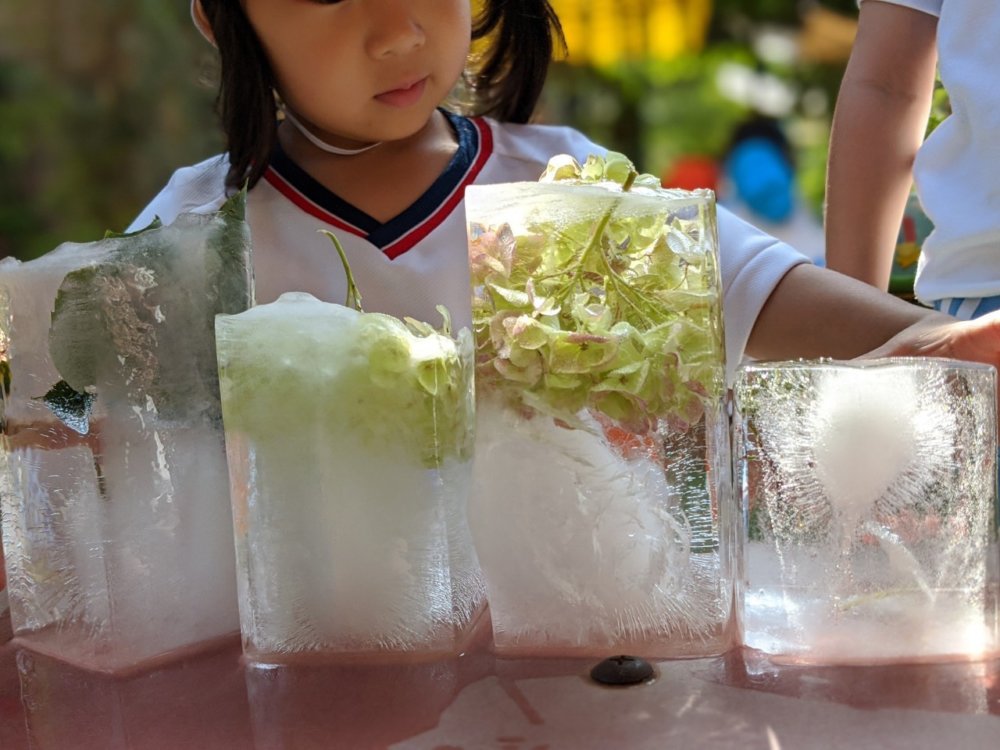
[101, 100]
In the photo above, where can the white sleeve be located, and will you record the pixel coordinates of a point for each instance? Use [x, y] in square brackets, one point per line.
[522, 151]
[933, 7]
[752, 263]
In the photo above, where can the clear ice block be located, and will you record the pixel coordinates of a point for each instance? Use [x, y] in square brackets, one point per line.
[601, 506]
[5, 630]
[869, 497]
[349, 439]
[115, 499]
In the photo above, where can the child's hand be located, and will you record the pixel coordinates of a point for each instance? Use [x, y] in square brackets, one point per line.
[940, 335]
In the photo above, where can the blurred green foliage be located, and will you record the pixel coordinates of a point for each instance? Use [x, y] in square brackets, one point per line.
[727, 12]
[660, 111]
[940, 106]
[99, 102]
[653, 111]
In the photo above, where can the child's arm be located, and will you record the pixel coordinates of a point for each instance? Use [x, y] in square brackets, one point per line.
[879, 122]
[815, 312]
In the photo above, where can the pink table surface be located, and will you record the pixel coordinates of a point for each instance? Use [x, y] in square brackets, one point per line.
[740, 700]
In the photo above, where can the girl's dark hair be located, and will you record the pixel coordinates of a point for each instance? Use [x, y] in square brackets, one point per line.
[505, 82]
[246, 93]
[521, 36]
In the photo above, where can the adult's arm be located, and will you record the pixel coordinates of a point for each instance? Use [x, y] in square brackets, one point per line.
[878, 125]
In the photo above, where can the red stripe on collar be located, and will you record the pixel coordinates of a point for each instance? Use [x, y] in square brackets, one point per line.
[428, 225]
[284, 187]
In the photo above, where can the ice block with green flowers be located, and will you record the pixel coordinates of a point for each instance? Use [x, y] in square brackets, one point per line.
[350, 444]
[601, 506]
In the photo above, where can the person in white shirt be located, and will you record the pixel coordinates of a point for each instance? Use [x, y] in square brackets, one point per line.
[878, 150]
[337, 117]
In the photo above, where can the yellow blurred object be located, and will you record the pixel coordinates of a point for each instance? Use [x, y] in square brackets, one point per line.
[604, 32]
[826, 37]
[907, 253]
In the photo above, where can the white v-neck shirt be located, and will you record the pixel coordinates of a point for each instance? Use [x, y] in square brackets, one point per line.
[957, 169]
[418, 260]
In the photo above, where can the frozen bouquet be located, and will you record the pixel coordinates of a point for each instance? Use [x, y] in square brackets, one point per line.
[618, 316]
[601, 444]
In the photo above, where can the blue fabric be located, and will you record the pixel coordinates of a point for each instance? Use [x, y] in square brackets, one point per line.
[951, 306]
[763, 177]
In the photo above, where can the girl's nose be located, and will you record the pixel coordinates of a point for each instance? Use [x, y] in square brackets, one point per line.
[395, 29]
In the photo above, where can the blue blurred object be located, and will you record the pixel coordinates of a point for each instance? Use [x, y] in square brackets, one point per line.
[764, 178]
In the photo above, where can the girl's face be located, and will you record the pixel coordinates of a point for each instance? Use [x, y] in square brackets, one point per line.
[359, 71]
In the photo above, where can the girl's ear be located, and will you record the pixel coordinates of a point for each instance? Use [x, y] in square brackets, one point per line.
[201, 21]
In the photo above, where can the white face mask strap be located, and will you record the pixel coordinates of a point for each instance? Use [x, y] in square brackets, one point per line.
[323, 145]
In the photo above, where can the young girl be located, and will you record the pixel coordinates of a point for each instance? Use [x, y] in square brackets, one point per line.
[338, 116]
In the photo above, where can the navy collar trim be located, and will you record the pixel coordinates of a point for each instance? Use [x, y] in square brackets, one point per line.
[399, 234]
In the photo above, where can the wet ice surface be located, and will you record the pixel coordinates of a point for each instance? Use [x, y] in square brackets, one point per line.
[350, 481]
[872, 509]
[117, 526]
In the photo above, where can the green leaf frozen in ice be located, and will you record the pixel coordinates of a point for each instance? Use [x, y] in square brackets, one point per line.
[139, 319]
[71, 407]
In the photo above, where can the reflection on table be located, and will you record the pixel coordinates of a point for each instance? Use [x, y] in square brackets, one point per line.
[475, 701]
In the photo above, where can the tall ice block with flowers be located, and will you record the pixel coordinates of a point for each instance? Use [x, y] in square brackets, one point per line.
[115, 504]
[349, 437]
[601, 507]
